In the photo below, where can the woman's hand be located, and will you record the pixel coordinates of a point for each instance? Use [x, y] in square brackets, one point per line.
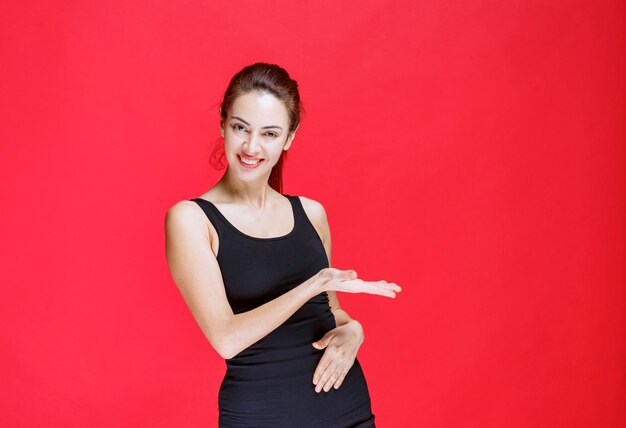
[347, 281]
[342, 344]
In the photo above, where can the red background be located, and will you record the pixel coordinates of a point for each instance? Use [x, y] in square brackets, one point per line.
[472, 152]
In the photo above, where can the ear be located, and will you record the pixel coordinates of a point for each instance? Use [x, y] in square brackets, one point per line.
[290, 138]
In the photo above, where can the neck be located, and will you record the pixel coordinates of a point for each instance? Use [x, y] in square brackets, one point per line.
[251, 193]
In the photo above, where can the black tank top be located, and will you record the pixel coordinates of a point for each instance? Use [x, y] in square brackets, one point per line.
[257, 270]
[270, 382]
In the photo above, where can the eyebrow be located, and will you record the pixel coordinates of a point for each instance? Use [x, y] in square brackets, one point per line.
[263, 127]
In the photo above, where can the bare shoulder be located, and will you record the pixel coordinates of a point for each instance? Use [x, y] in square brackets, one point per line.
[317, 214]
[184, 217]
[314, 210]
[183, 211]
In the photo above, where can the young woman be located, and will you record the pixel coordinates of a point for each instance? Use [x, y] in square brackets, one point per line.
[253, 265]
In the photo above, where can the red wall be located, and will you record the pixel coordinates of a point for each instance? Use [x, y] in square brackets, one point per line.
[472, 152]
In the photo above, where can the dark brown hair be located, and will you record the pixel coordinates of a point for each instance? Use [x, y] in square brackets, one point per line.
[272, 79]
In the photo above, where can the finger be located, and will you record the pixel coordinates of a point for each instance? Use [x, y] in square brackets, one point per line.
[325, 340]
[325, 376]
[328, 379]
[391, 285]
[386, 289]
[319, 371]
[341, 378]
[333, 378]
[343, 275]
[321, 367]
[396, 288]
[375, 287]
[381, 290]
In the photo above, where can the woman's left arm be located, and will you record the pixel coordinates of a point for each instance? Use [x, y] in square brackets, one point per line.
[341, 343]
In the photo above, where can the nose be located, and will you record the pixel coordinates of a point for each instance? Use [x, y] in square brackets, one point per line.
[251, 146]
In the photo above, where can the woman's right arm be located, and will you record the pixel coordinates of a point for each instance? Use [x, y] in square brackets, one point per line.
[197, 275]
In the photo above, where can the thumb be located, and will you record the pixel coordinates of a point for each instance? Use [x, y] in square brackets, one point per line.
[323, 342]
[350, 274]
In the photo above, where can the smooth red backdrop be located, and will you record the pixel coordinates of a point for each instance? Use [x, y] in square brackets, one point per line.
[472, 152]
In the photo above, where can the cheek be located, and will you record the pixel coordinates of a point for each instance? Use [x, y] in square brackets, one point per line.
[231, 143]
[277, 152]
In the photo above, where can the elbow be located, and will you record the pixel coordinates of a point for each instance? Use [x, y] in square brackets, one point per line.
[225, 352]
[224, 347]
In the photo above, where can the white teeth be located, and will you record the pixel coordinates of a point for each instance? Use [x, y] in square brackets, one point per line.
[249, 162]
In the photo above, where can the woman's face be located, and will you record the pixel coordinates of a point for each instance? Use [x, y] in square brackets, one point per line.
[256, 131]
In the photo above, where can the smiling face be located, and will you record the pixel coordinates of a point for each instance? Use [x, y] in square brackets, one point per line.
[256, 131]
